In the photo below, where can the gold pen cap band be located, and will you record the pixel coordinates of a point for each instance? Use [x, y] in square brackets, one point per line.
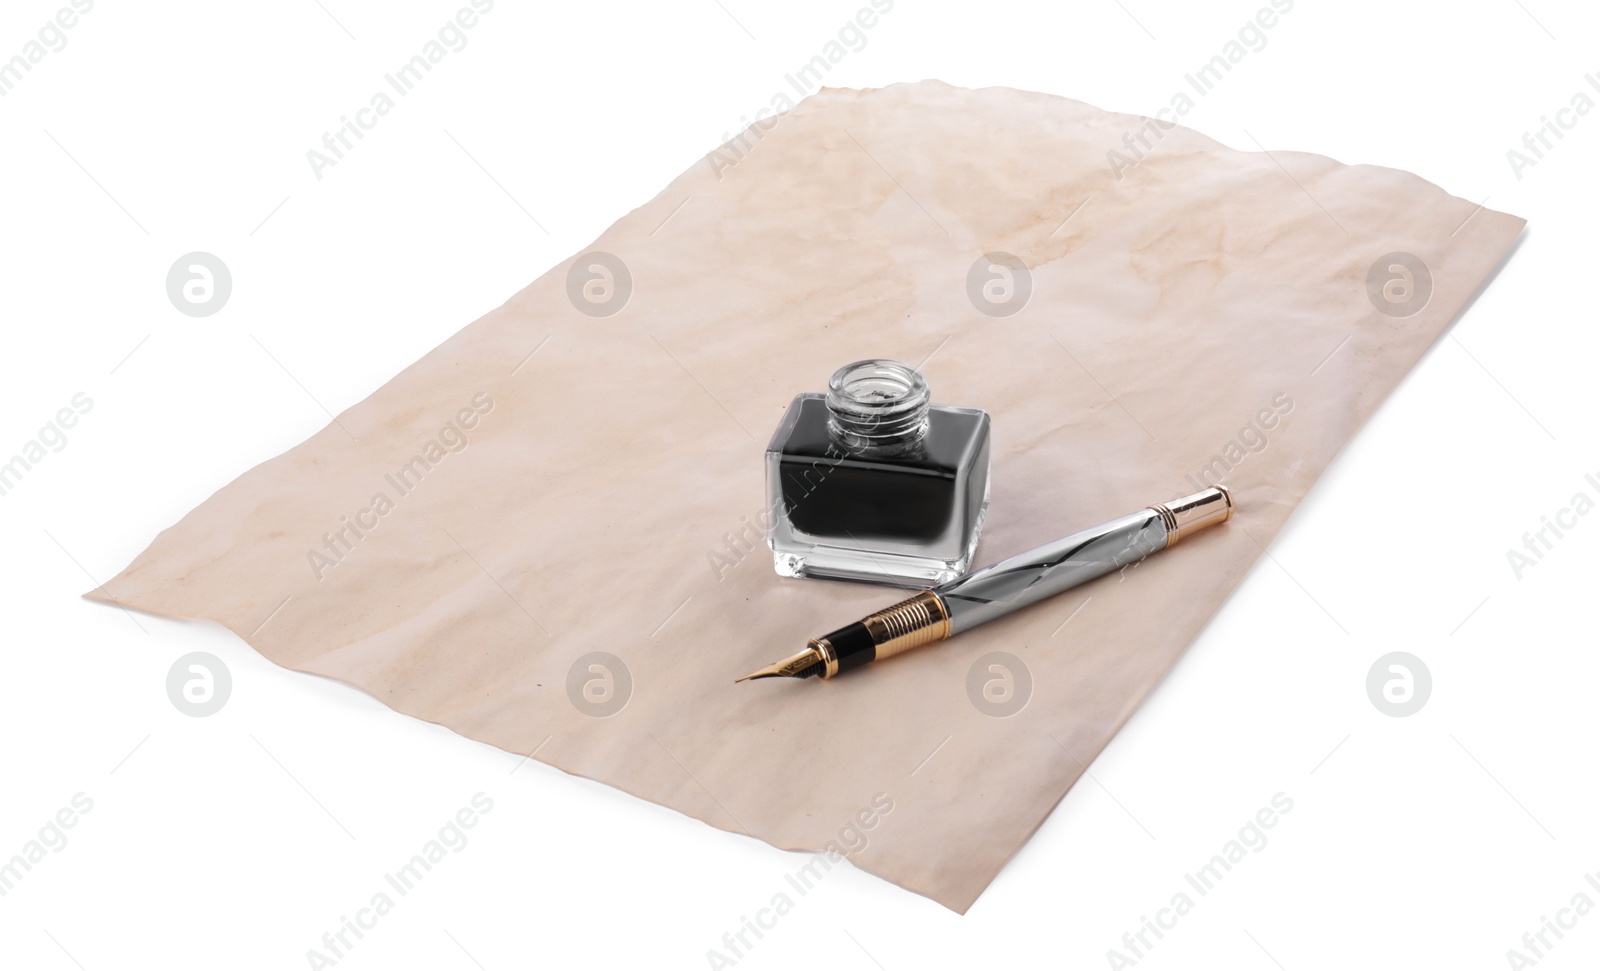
[1187, 516]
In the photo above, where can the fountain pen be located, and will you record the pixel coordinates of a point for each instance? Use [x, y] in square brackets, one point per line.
[994, 591]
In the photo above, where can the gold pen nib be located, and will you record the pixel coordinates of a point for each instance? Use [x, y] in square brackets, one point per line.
[802, 665]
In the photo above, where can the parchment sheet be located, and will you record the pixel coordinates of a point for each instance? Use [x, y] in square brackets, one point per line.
[590, 505]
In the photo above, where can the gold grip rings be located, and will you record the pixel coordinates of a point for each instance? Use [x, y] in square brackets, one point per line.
[909, 623]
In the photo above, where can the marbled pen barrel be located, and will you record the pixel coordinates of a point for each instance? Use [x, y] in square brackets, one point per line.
[994, 591]
[1026, 578]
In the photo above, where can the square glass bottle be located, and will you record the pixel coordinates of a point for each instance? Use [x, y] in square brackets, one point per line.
[871, 482]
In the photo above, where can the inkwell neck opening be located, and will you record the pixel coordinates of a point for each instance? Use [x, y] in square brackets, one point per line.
[879, 406]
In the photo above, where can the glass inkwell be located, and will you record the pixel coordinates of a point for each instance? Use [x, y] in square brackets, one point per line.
[871, 482]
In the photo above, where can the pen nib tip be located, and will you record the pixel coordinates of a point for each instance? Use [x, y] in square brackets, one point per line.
[801, 665]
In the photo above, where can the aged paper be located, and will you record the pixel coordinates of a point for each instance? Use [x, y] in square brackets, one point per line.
[1175, 313]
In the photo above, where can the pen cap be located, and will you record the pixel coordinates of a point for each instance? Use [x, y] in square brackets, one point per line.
[1186, 516]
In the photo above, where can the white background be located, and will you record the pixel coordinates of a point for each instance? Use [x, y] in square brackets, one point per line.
[238, 840]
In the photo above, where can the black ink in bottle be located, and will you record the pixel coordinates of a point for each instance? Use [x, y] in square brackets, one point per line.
[871, 482]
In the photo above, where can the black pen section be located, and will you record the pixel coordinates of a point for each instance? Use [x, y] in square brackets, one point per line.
[853, 645]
